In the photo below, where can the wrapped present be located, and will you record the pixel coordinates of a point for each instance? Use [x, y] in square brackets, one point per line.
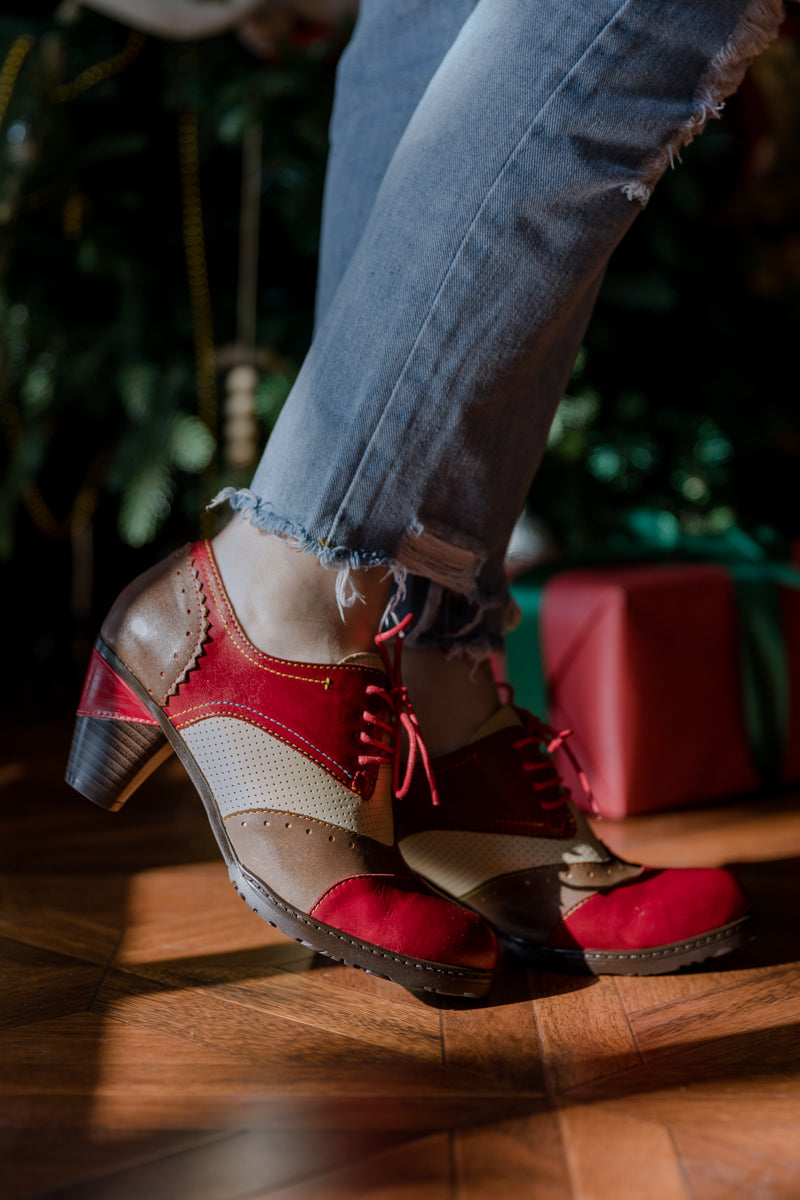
[680, 680]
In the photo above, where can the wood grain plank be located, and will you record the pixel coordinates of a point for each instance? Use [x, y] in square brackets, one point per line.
[722, 1171]
[226, 1165]
[643, 993]
[498, 1038]
[392, 1099]
[325, 970]
[79, 917]
[420, 1169]
[177, 914]
[584, 1030]
[118, 1076]
[260, 1062]
[523, 1159]
[742, 1083]
[77, 1042]
[163, 823]
[309, 1001]
[207, 1099]
[258, 1033]
[617, 1157]
[76, 1156]
[775, 1143]
[38, 983]
[768, 1000]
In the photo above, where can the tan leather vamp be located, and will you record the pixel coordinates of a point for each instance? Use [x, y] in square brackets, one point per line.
[158, 623]
[529, 904]
[301, 858]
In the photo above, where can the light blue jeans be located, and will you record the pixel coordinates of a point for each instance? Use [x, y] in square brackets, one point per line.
[487, 156]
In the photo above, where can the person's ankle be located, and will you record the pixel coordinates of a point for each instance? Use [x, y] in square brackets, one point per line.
[452, 697]
[285, 599]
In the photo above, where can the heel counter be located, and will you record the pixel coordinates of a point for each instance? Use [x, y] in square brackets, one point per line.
[158, 624]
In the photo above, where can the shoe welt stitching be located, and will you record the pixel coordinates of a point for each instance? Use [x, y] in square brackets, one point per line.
[662, 951]
[418, 964]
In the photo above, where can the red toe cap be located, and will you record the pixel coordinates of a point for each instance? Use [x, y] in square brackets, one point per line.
[658, 908]
[402, 916]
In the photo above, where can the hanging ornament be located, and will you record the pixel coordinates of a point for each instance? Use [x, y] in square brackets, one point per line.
[240, 431]
[241, 428]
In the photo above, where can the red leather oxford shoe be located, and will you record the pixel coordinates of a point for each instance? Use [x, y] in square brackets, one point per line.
[507, 840]
[294, 763]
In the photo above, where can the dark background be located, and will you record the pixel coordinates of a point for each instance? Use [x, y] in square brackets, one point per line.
[682, 415]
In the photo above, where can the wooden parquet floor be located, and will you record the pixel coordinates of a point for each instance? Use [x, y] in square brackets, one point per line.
[157, 1040]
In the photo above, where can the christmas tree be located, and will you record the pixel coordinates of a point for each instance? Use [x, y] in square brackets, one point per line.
[159, 212]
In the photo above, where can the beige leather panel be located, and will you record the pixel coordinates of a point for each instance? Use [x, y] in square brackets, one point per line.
[299, 859]
[158, 623]
[584, 846]
[247, 769]
[460, 861]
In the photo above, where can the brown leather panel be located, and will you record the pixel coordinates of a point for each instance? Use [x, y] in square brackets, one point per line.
[529, 904]
[299, 858]
[158, 623]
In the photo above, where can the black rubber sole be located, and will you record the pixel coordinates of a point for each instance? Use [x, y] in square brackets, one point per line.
[656, 960]
[324, 939]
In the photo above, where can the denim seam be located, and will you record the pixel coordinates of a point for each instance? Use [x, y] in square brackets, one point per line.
[513, 153]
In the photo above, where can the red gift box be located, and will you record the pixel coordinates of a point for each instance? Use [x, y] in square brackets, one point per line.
[643, 663]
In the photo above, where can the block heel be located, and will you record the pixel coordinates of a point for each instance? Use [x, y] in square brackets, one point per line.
[117, 742]
[110, 758]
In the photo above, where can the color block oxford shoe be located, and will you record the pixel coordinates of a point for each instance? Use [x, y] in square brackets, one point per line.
[507, 840]
[296, 764]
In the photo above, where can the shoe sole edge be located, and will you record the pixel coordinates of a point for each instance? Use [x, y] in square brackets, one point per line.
[656, 960]
[415, 973]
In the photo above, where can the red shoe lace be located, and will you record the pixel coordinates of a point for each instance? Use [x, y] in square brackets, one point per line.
[548, 778]
[400, 715]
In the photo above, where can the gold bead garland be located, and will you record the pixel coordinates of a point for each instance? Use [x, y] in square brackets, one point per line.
[197, 269]
[11, 69]
[102, 70]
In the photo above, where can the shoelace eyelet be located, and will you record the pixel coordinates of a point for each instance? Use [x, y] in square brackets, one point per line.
[538, 734]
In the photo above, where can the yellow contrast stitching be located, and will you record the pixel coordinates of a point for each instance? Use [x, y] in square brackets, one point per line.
[326, 767]
[326, 683]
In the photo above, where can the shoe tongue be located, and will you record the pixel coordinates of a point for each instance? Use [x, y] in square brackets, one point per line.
[505, 718]
[363, 660]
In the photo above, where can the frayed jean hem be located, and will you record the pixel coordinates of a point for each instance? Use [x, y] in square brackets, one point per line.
[340, 558]
[476, 620]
